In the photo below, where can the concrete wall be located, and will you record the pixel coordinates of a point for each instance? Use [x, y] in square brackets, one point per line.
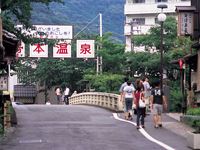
[105, 100]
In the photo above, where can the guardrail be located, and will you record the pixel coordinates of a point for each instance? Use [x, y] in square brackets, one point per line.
[106, 100]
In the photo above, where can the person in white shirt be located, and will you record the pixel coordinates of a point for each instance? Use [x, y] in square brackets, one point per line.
[121, 90]
[66, 95]
[58, 95]
[128, 94]
[147, 92]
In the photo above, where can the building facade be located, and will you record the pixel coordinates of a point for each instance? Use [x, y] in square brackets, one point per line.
[141, 15]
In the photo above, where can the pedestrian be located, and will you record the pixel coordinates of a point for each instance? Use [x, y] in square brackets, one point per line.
[48, 103]
[66, 95]
[158, 102]
[147, 93]
[139, 95]
[122, 88]
[58, 95]
[126, 79]
[128, 97]
[138, 85]
[75, 92]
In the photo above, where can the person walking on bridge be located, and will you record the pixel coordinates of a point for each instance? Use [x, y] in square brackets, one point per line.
[147, 93]
[157, 102]
[58, 95]
[128, 94]
[139, 95]
[121, 90]
[66, 95]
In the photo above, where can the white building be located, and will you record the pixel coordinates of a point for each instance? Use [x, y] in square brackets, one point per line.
[141, 15]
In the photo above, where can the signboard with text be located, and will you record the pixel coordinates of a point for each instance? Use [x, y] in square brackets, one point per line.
[62, 49]
[38, 50]
[49, 31]
[21, 50]
[185, 23]
[85, 49]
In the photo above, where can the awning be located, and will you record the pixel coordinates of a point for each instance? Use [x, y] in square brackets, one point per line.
[196, 45]
[190, 59]
[185, 8]
[10, 43]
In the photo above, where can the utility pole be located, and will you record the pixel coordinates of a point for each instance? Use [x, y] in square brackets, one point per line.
[99, 58]
[1, 37]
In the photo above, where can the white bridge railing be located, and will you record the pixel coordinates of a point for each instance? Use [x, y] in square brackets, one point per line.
[105, 100]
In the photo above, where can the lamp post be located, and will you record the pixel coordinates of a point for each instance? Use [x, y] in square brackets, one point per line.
[161, 19]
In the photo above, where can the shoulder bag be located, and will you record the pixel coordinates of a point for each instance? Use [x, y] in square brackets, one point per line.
[141, 102]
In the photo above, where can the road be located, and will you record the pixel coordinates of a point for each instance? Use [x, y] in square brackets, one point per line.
[80, 127]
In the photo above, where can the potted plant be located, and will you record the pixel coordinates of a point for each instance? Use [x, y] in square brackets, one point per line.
[193, 119]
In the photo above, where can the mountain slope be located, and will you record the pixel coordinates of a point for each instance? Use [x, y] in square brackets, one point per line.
[80, 12]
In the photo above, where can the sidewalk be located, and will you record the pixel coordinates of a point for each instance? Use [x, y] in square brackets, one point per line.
[170, 121]
[176, 126]
[173, 133]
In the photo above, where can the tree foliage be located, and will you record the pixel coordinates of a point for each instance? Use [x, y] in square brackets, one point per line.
[107, 82]
[143, 63]
[18, 11]
[153, 38]
[112, 53]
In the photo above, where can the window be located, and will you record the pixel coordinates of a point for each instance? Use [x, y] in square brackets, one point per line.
[138, 1]
[139, 21]
[156, 21]
[157, 1]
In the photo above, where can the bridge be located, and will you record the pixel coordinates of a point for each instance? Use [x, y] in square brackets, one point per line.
[83, 126]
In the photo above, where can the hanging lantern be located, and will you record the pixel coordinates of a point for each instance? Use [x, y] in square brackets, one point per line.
[181, 63]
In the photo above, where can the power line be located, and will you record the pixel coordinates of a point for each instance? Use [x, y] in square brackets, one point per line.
[86, 26]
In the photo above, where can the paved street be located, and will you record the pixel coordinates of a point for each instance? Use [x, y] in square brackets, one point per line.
[77, 127]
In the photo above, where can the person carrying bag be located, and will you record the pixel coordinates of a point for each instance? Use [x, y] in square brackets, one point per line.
[140, 105]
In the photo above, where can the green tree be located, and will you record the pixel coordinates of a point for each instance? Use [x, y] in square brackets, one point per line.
[112, 53]
[106, 82]
[153, 38]
[142, 63]
[18, 11]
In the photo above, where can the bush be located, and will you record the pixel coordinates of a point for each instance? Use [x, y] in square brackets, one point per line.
[193, 118]
[175, 98]
[193, 111]
[109, 83]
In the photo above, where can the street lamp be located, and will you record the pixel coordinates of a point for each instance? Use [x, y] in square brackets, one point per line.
[161, 19]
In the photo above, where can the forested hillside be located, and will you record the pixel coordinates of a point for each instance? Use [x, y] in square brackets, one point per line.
[80, 12]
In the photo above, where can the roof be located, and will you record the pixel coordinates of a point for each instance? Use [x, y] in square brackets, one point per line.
[190, 59]
[196, 45]
[25, 91]
[10, 45]
[185, 8]
[9, 36]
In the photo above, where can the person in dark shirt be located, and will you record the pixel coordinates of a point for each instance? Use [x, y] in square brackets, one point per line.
[158, 100]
